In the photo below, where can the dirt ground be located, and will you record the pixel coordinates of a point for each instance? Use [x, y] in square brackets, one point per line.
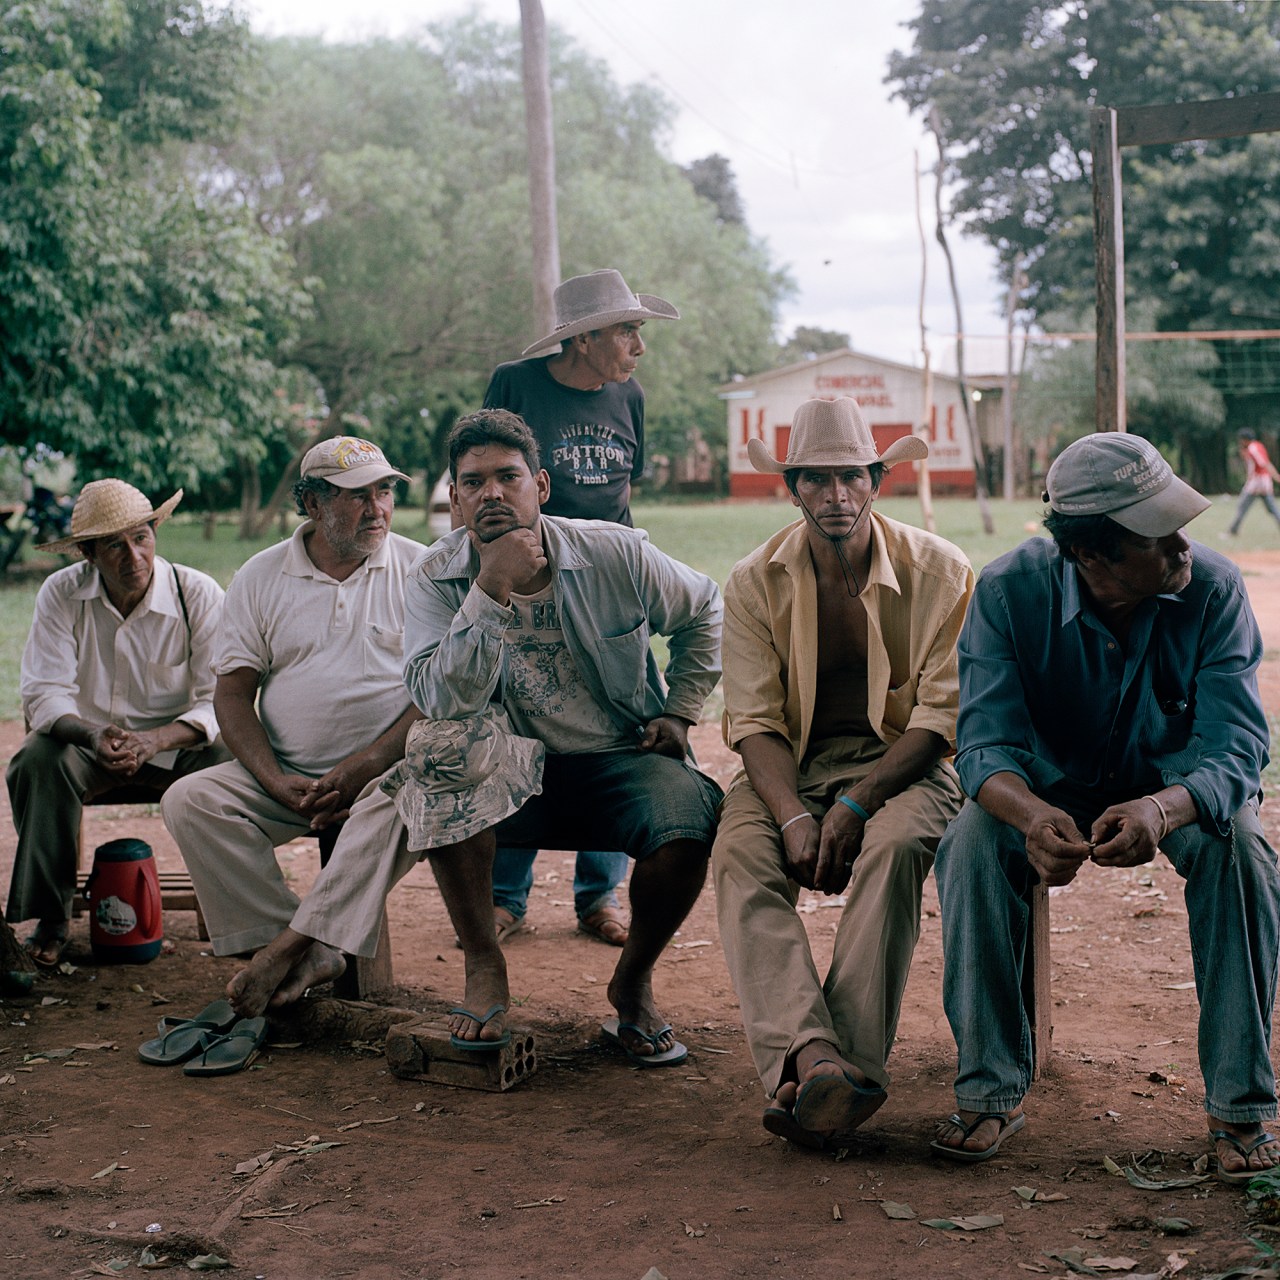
[592, 1167]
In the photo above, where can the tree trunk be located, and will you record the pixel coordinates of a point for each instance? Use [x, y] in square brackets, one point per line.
[250, 497]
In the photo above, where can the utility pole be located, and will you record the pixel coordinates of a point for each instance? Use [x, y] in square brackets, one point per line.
[1016, 284]
[924, 483]
[542, 163]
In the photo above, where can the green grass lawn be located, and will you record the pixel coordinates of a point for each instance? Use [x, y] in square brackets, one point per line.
[711, 536]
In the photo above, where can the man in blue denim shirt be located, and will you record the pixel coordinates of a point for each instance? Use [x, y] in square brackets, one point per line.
[1109, 710]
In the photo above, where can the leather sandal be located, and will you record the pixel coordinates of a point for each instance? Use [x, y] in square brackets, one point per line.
[606, 924]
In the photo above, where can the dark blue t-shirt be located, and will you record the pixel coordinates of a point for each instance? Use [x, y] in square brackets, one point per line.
[591, 442]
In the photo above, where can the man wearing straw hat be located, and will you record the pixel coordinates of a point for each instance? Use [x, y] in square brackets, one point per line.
[576, 391]
[117, 688]
[840, 694]
[311, 700]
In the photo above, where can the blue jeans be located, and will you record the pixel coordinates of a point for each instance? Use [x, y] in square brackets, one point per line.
[1246, 501]
[1232, 893]
[596, 877]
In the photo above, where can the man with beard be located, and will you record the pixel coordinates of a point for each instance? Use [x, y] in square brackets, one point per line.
[840, 695]
[310, 699]
[527, 650]
[1109, 711]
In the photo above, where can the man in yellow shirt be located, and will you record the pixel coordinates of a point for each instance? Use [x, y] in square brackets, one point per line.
[841, 697]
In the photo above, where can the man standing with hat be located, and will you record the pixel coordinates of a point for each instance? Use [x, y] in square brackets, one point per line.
[840, 695]
[117, 689]
[311, 700]
[576, 391]
[1109, 712]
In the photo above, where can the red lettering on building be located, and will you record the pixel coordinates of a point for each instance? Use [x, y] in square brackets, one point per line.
[747, 430]
[849, 381]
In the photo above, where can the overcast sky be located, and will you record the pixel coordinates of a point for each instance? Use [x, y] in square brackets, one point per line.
[792, 93]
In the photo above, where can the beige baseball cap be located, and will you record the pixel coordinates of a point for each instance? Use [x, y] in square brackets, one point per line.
[349, 462]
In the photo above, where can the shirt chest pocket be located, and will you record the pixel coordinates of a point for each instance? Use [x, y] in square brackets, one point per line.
[167, 690]
[622, 663]
[383, 651]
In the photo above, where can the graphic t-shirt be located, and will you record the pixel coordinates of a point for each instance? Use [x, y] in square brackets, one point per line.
[543, 690]
[591, 442]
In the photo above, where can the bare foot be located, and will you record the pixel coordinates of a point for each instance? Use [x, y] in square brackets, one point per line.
[1231, 1159]
[250, 991]
[319, 964]
[983, 1138]
[486, 987]
[831, 1094]
[635, 1006]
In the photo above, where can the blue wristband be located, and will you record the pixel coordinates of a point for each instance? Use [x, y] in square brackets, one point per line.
[856, 807]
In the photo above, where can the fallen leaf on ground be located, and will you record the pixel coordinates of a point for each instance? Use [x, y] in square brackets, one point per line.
[691, 1231]
[208, 1262]
[1111, 1264]
[1033, 1195]
[1174, 1226]
[1073, 1260]
[1111, 1167]
[548, 1200]
[258, 1163]
[893, 1209]
[1179, 986]
[1163, 1184]
[113, 1267]
[974, 1222]
[111, 1168]
[836, 1215]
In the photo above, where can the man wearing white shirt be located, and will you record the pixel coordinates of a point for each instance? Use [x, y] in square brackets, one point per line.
[310, 698]
[117, 689]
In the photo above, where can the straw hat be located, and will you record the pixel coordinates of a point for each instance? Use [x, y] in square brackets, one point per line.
[596, 301]
[833, 433]
[461, 777]
[106, 507]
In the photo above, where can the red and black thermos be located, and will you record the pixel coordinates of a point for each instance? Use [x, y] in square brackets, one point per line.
[125, 922]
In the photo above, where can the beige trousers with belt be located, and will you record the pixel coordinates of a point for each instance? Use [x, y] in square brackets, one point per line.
[785, 1003]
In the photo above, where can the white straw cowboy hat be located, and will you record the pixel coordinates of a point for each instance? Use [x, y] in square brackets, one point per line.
[461, 777]
[833, 433]
[106, 507]
[596, 301]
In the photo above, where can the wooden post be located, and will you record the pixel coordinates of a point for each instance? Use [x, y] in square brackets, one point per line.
[1108, 239]
[542, 163]
[1037, 991]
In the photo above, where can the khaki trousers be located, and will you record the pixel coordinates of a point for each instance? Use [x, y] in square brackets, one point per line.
[228, 828]
[785, 1004]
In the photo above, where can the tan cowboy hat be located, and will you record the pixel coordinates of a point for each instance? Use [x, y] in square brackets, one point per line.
[461, 777]
[596, 301]
[105, 507]
[833, 433]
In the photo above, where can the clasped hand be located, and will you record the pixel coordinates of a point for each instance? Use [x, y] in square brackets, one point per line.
[1125, 835]
[821, 855]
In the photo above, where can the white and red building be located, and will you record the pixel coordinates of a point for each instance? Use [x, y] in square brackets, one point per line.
[891, 396]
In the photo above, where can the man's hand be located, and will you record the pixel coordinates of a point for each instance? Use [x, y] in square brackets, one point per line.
[142, 745]
[666, 736]
[111, 749]
[1055, 847]
[329, 799]
[290, 790]
[842, 831]
[508, 562]
[801, 842]
[1127, 835]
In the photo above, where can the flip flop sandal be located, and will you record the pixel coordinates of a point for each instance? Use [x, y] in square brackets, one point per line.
[783, 1124]
[608, 925]
[225, 1054]
[504, 929]
[836, 1104]
[43, 939]
[1239, 1177]
[182, 1038]
[480, 1046]
[612, 1030]
[1009, 1125]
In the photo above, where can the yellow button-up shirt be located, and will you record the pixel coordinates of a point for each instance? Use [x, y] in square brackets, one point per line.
[915, 597]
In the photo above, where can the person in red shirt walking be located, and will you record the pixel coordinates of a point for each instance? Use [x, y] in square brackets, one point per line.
[1259, 482]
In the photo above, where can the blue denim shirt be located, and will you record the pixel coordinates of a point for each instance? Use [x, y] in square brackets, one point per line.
[614, 590]
[1046, 691]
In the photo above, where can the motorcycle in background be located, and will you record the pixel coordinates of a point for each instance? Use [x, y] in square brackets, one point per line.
[44, 517]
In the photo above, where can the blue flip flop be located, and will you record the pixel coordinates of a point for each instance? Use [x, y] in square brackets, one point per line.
[835, 1104]
[182, 1038]
[221, 1055]
[480, 1046]
[612, 1030]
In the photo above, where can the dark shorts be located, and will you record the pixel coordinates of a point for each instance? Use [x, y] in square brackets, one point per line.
[630, 800]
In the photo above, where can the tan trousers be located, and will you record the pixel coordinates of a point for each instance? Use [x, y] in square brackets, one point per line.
[228, 828]
[785, 1004]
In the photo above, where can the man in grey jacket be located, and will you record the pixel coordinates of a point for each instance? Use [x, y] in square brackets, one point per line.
[547, 621]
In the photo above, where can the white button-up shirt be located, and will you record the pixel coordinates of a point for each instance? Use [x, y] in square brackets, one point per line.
[141, 672]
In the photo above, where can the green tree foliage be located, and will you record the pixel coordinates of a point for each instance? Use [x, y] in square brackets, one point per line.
[1013, 83]
[396, 174]
[808, 340]
[139, 312]
[712, 178]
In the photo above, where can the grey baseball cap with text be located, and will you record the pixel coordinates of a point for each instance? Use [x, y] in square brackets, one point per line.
[1123, 477]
